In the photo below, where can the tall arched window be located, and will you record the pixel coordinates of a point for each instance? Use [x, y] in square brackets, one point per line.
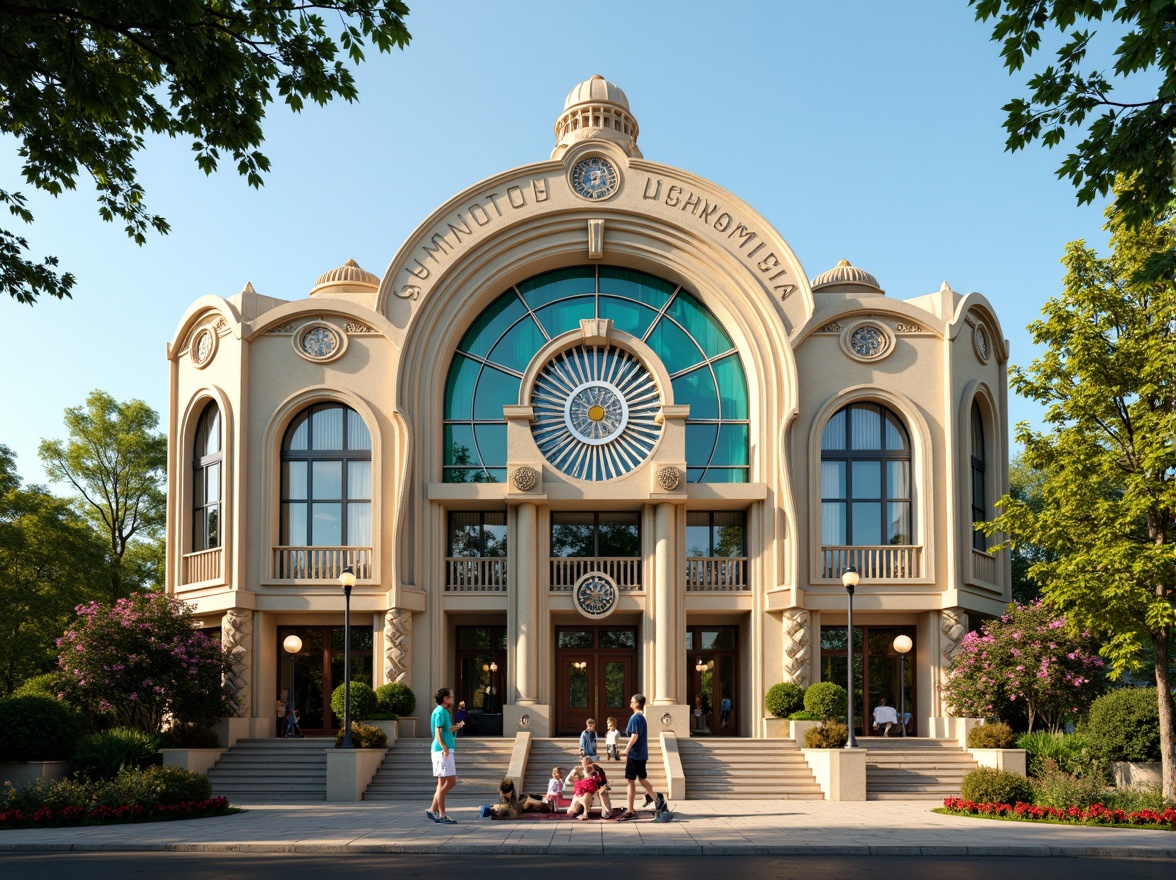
[865, 478]
[206, 481]
[327, 479]
[979, 498]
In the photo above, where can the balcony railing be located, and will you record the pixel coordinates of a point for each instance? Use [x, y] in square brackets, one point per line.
[467, 574]
[983, 566]
[886, 562]
[625, 570]
[204, 565]
[718, 574]
[321, 563]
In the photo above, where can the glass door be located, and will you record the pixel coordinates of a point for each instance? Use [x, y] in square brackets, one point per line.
[876, 668]
[318, 670]
[712, 656]
[596, 673]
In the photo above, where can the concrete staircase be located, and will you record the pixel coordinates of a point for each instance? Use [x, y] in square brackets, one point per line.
[565, 754]
[911, 769]
[407, 770]
[746, 769]
[269, 771]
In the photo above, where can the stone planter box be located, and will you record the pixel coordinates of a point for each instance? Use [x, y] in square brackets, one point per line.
[949, 727]
[350, 772]
[29, 771]
[776, 728]
[406, 728]
[1009, 760]
[797, 730]
[841, 773]
[389, 728]
[196, 760]
[1131, 775]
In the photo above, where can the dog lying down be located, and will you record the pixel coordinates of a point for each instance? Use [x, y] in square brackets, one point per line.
[512, 806]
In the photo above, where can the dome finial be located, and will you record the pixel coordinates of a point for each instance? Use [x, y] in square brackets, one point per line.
[596, 110]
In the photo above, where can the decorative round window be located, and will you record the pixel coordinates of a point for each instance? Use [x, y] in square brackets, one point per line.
[867, 341]
[595, 595]
[980, 340]
[203, 348]
[319, 341]
[595, 413]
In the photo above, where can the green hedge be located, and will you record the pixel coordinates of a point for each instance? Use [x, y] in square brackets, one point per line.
[363, 701]
[36, 728]
[784, 698]
[1124, 725]
[396, 698]
[826, 700]
[987, 785]
[991, 736]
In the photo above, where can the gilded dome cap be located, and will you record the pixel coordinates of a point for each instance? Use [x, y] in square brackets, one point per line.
[596, 110]
[844, 278]
[350, 277]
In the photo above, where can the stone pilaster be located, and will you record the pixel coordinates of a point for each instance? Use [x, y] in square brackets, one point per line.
[237, 639]
[397, 645]
[797, 652]
[526, 586]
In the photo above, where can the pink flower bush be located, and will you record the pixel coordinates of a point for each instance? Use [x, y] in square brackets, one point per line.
[1029, 656]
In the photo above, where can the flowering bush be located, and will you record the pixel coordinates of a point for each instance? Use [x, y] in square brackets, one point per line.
[1028, 655]
[141, 661]
[1096, 814]
[48, 817]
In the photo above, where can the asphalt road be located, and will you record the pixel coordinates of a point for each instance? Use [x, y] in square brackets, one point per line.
[239, 866]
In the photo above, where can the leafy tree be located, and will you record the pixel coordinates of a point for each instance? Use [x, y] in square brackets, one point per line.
[1027, 655]
[1107, 455]
[50, 561]
[1133, 138]
[85, 82]
[141, 661]
[1025, 484]
[116, 462]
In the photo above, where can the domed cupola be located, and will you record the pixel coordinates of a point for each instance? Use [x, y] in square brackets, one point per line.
[844, 278]
[348, 278]
[596, 110]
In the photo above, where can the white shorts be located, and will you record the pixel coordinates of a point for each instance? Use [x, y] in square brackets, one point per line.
[443, 764]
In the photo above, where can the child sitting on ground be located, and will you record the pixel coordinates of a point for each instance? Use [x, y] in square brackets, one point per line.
[554, 789]
[590, 782]
[612, 740]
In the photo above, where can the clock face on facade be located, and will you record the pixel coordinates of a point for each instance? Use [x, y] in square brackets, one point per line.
[319, 342]
[594, 179]
[595, 595]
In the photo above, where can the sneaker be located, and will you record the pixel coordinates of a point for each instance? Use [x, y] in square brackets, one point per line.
[648, 801]
[583, 817]
[446, 820]
[626, 815]
[432, 816]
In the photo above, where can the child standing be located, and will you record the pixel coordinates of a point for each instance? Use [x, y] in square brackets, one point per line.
[588, 740]
[554, 789]
[612, 740]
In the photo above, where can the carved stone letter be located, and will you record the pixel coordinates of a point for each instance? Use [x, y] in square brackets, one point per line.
[397, 645]
[796, 646]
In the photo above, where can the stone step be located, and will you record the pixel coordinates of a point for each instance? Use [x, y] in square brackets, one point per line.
[407, 770]
[721, 769]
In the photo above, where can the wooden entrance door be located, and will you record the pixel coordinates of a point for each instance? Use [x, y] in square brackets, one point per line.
[596, 674]
[712, 657]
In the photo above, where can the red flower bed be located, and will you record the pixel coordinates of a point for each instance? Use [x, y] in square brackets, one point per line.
[1096, 814]
[46, 817]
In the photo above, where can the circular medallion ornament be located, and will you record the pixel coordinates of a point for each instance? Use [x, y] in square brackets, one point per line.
[595, 595]
[595, 413]
[668, 478]
[594, 179]
[203, 348]
[867, 340]
[319, 341]
[524, 478]
[980, 340]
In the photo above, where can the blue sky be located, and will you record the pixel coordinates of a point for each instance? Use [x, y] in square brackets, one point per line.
[865, 130]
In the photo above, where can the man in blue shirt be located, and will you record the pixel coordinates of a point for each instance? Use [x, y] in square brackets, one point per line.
[636, 754]
[443, 763]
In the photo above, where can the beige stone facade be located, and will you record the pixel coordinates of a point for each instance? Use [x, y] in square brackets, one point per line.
[650, 481]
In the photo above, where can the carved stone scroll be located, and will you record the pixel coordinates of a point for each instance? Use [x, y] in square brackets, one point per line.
[397, 645]
[796, 646]
[953, 622]
[237, 638]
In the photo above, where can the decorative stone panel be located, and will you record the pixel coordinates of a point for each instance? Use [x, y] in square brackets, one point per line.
[237, 638]
[668, 478]
[797, 652]
[397, 645]
[524, 478]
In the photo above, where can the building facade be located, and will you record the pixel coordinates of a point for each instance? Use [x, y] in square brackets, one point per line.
[592, 432]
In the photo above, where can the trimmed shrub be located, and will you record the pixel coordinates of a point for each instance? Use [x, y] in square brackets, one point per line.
[987, 785]
[826, 700]
[36, 728]
[103, 755]
[396, 699]
[1057, 788]
[830, 735]
[46, 685]
[784, 698]
[802, 715]
[189, 736]
[991, 736]
[174, 785]
[363, 702]
[1124, 725]
[1068, 751]
[364, 736]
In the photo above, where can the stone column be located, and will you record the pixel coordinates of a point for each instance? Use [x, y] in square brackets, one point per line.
[237, 639]
[398, 646]
[526, 659]
[665, 632]
[797, 654]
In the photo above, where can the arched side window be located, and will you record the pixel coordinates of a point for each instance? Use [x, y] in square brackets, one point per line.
[207, 468]
[865, 478]
[979, 497]
[327, 479]
[705, 371]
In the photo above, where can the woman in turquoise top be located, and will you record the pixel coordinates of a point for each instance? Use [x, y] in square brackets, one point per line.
[442, 752]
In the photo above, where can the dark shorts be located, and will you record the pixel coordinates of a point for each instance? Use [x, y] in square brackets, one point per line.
[635, 768]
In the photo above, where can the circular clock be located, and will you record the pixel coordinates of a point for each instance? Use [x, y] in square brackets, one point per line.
[595, 595]
[319, 342]
[594, 179]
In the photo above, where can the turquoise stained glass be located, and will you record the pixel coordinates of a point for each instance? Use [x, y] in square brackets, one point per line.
[705, 371]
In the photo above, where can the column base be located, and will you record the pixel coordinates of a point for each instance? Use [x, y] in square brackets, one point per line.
[534, 718]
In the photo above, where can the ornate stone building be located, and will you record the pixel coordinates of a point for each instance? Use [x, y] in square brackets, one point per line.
[592, 432]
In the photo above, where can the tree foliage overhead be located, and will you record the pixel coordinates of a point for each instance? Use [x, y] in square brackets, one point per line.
[82, 83]
[116, 462]
[1133, 136]
[1107, 519]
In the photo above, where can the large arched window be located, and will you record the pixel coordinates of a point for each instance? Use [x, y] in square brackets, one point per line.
[327, 479]
[865, 478]
[979, 497]
[206, 481]
[705, 370]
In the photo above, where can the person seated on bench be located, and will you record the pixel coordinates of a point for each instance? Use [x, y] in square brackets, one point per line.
[884, 717]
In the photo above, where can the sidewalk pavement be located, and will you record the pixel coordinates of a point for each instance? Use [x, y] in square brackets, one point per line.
[874, 828]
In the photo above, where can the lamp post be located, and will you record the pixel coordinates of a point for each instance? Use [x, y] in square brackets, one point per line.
[903, 645]
[347, 580]
[291, 645]
[849, 577]
[493, 672]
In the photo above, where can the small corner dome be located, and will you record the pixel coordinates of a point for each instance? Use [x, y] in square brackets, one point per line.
[845, 278]
[596, 110]
[348, 278]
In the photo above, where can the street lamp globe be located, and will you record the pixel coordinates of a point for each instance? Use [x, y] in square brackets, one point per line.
[292, 644]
